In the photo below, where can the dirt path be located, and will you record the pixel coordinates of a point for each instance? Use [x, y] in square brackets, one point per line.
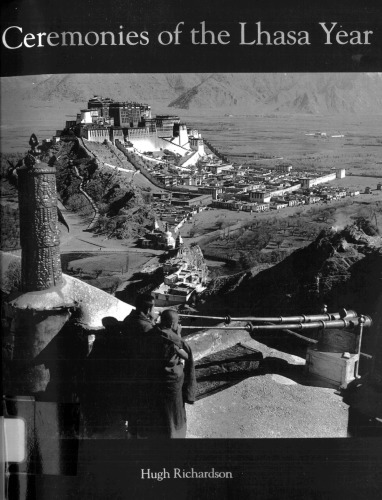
[90, 200]
[79, 240]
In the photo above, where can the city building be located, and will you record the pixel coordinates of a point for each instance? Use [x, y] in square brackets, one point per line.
[260, 196]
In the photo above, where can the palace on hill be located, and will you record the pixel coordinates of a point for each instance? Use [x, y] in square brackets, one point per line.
[132, 123]
[190, 170]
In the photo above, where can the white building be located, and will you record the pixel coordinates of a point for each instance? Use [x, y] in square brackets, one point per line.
[284, 168]
[308, 182]
[87, 116]
[260, 196]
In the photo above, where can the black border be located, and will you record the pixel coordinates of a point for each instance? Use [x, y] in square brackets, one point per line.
[262, 469]
[35, 16]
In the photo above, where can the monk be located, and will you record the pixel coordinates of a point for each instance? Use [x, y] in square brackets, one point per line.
[165, 380]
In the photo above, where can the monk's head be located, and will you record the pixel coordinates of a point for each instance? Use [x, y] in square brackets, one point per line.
[145, 304]
[169, 319]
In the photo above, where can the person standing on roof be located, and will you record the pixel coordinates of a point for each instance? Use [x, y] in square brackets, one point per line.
[134, 328]
[166, 380]
[141, 320]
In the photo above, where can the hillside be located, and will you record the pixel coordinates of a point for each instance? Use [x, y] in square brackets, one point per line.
[153, 89]
[340, 269]
[287, 93]
[122, 208]
[321, 93]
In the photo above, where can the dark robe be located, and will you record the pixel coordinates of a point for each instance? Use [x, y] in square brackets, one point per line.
[109, 365]
[137, 322]
[108, 396]
[134, 326]
[164, 382]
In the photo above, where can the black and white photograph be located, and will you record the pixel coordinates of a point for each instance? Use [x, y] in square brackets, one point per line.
[191, 261]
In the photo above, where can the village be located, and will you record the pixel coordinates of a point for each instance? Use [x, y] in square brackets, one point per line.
[186, 174]
[183, 175]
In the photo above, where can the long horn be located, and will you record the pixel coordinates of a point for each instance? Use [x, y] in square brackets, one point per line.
[280, 319]
[321, 324]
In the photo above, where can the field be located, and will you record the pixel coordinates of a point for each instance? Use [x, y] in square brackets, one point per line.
[248, 138]
[245, 240]
[257, 140]
[268, 140]
[19, 119]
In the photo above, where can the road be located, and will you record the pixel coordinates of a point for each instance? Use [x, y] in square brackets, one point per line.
[80, 240]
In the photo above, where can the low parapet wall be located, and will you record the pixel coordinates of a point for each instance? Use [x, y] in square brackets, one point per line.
[208, 341]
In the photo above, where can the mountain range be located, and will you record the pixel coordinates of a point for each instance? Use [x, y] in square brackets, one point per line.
[307, 93]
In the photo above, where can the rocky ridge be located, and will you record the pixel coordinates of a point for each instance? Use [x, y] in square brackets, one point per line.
[122, 206]
[340, 269]
[296, 93]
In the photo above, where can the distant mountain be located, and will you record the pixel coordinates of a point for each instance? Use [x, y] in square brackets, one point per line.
[321, 93]
[296, 93]
[152, 89]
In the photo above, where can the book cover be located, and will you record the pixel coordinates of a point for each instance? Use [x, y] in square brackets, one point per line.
[224, 158]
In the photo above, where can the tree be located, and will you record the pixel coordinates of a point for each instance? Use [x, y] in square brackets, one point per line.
[220, 223]
[275, 257]
[366, 226]
[278, 240]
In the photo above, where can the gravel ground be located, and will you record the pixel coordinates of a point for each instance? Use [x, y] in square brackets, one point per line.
[271, 405]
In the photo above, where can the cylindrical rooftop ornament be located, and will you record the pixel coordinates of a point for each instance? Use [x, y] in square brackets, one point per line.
[39, 235]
